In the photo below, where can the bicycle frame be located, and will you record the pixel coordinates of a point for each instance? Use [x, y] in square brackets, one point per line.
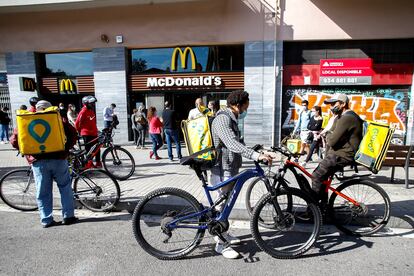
[239, 180]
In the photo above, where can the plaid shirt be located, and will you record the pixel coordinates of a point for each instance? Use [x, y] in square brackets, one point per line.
[226, 134]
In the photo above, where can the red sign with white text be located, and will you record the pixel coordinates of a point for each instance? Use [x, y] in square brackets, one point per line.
[346, 67]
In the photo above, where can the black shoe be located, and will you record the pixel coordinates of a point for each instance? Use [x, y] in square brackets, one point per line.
[69, 221]
[50, 224]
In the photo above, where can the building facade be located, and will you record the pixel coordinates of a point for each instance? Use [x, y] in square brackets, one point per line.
[146, 52]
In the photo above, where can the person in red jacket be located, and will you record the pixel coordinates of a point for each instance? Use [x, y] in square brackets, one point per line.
[86, 125]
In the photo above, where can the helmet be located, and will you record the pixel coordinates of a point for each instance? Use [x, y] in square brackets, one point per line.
[89, 100]
[33, 101]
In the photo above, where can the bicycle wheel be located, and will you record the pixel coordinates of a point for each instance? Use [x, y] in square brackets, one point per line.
[96, 190]
[118, 162]
[291, 234]
[368, 218]
[152, 215]
[18, 190]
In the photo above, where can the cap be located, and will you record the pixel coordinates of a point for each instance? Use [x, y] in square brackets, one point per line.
[337, 98]
[42, 105]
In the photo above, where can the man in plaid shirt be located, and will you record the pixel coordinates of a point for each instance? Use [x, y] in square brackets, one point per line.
[226, 136]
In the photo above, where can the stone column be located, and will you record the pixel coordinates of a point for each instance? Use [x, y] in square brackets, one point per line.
[110, 77]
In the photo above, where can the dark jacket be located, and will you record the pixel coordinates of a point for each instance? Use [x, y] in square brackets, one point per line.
[346, 135]
[4, 118]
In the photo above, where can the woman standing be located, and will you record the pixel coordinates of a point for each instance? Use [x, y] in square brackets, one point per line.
[72, 114]
[315, 127]
[155, 128]
[142, 126]
[134, 126]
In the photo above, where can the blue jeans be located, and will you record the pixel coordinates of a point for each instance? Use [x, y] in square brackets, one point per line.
[172, 134]
[45, 171]
[107, 124]
[156, 142]
[4, 132]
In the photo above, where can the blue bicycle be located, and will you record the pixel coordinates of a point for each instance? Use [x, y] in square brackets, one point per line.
[170, 223]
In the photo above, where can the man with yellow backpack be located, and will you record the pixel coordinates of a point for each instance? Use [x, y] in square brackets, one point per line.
[45, 139]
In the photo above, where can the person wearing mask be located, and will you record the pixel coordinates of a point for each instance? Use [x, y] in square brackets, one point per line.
[33, 101]
[195, 112]
[86, 126]
[315, 126]
[49, 167]
[4, 125]
[212, 105]
[170, 130]
[225, 132]
[155, 128]
[302, 126]
[108, 114]
[72, 114]
[134, 127]
[63, 111]
[142, 126]
[343, 139]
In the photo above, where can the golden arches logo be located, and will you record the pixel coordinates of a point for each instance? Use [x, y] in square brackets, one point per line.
[28, 85]
[66, 85]
[183, 58]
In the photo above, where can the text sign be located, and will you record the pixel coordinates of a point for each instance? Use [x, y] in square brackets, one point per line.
[345, 71]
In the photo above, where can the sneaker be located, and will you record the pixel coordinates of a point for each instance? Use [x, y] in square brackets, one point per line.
[157, 158]
[2, 142]
[69, 221]
[171, 159]
[226, 251]
[98, 164]
[151, 154]
[50, 224]
[231, 239]
[137, 147]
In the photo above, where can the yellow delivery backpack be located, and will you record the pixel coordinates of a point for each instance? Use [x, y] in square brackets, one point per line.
[197, 134]
[374, 145]
[293, 145]
[40, 132]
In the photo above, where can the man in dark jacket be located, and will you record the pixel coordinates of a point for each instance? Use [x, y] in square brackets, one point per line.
[52, 166]
[343, 140]
[171, 130]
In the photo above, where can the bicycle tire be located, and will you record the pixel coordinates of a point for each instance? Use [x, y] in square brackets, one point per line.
[25, 188]
[348, 219]
[153, 215]
[115, 169]
[102, 196]
[293, 225]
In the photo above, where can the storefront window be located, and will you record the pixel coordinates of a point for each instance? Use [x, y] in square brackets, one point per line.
[197, 59]
[68, 64]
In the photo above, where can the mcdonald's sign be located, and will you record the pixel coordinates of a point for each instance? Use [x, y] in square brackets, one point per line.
[183, 58]
[27, 84]
[67, 86]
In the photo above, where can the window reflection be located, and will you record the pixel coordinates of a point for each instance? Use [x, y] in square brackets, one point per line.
[68, 64]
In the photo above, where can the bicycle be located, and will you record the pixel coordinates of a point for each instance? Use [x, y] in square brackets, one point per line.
[116, 160]
[95, 189]
[170, 223]
[357, 206]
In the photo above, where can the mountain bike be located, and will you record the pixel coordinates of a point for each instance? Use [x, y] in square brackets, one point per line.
[116, 160]
[170, 223]
[357, 206]
[95, 189]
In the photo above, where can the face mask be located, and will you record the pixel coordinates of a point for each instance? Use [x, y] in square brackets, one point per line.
[336, 110]
[243, 115]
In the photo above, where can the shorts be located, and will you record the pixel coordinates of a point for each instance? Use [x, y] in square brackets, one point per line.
[304, 136]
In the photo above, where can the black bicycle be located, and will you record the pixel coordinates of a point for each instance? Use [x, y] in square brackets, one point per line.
[95, 189]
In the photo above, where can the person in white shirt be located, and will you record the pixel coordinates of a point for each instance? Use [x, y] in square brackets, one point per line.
[108, 114]
[195, 112]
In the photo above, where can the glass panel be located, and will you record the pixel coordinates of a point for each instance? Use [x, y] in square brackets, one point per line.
[69, 64]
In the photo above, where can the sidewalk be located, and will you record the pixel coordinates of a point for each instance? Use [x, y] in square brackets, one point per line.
[150, 175]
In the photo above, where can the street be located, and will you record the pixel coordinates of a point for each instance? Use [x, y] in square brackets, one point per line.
[103, 244]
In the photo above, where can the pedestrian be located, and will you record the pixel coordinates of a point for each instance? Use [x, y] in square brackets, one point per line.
[4, 125]
[33, 101]
[63, 111]
[108, 114]
[302, 127]
[86, 125]
[155, 129]
[49, 167]
[226, 132]
[195, 112]
[72, 114]
[343, 139]
[142, 126]
[169, 118]
[315, 127]
[23, 107]
[134, 126]
[212, 105]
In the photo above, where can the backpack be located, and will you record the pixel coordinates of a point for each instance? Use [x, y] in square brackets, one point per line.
[40, 132]
[376, 138]
[140, 120]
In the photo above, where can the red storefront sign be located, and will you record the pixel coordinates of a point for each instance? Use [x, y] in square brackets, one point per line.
[345, 71]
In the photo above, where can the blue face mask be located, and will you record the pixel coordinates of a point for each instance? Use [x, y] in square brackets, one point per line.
[242, 115]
